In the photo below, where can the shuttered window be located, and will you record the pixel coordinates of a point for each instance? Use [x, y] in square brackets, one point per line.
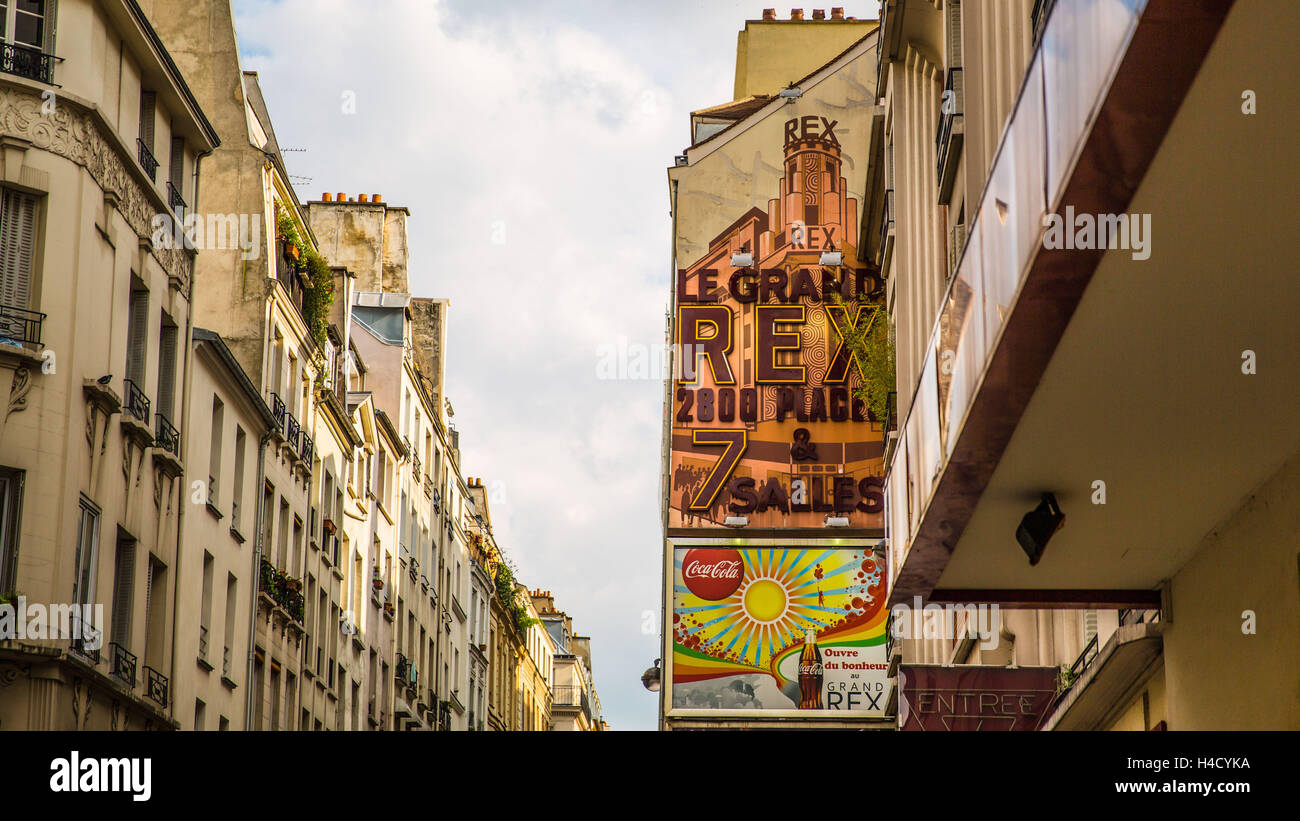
[147, 102]
[137, 332]
[17, 248]
[123, 590]
[166, 368]
[87, 554]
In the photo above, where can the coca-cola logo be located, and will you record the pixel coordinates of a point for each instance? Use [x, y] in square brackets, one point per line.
[810, 669]
[712, 574]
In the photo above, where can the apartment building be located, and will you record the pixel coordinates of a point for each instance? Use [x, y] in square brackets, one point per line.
[230, 428]
[574, 705]
[1080, 376]
[101, 133]
[536, 669]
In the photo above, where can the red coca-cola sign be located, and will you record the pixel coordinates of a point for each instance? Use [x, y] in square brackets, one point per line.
[712, 574]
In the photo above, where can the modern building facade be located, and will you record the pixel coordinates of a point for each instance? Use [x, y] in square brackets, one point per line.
[1065, 184]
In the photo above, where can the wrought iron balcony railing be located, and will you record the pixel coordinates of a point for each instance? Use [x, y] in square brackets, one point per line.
[121, 663]
[174, 199]
[20, 326]
[85, 635]
[147, 160]
[428, 486]
[137, 404]
[948, 138]
[169, 439]
[291, 429]
[28, 62]
[401, 668]
[306, 447]
[886, 217]
[278, 411]
[203, 642]
[416, 464]
[156, 686]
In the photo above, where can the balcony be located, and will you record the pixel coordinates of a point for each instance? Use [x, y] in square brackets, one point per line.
[156, 686]
[306, 448]
[278, 412]
[20, 327]
[121, 664]
[136, 404]
[175, 201]
[428, 489]
[948, 140]
[147, 160]
[86, 635]
[168, 438]
[291, 430]
[1039, 384]
[31, 63]
[284, 590]
[416, 465]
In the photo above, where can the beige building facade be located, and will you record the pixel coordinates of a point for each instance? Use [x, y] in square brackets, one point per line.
[100, 132]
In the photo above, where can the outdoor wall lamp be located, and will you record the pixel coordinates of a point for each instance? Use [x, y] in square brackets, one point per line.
[742, 260]
[736, 521]
[1038, 526]
[831, 258]
[651, 678]
[837, 521]
[791, 93]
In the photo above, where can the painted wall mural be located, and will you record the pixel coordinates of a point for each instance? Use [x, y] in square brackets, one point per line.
[766, 423]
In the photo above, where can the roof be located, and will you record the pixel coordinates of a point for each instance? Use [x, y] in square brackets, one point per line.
[759, 105]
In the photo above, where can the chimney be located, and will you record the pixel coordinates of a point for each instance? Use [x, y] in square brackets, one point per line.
[341, 197]
[376, 198]
[769, 14]
[819, 14]
[428, 341]
[362, 198]
[327, 197]
[837, 13]
[796, 14]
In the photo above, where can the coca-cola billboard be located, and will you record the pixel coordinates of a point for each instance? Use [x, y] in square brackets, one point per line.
[786, 629]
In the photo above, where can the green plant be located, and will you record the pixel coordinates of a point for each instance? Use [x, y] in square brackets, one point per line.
[510, 598]
[872, 345]
[318, 296]
[1065, 678]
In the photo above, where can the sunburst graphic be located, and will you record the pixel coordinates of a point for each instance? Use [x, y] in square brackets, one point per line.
[783, 593]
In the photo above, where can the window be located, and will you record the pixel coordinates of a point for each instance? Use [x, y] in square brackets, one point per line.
[166, 367]
[205, 614]
[232, 610]
[176, 176]
[11, 497]
[83, 587]
[199, 708]
[237, 487]
[156, 607]
[123, 589]
[214, 448]
[17, 251]
[137, 330]
[24, 22]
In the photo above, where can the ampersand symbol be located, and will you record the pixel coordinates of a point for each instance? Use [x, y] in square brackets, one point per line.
[803, 450]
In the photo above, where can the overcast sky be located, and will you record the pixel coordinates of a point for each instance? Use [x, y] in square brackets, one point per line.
[530, 140]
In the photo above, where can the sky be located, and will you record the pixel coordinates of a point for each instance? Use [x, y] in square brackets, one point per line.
[530, 141]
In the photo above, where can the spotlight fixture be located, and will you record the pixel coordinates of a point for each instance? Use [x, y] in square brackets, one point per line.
[791, 93]
[680, 160]
[742, 260]
[736, 521]
[1038, 526]
[652, 677]
[831, 258]
[837, 521]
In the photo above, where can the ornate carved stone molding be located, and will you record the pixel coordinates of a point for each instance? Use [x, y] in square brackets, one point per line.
[74, 133]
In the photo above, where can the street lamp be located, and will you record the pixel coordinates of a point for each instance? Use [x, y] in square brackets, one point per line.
[651, 678]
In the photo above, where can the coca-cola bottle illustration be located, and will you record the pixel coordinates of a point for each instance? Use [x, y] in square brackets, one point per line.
[810, 673]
